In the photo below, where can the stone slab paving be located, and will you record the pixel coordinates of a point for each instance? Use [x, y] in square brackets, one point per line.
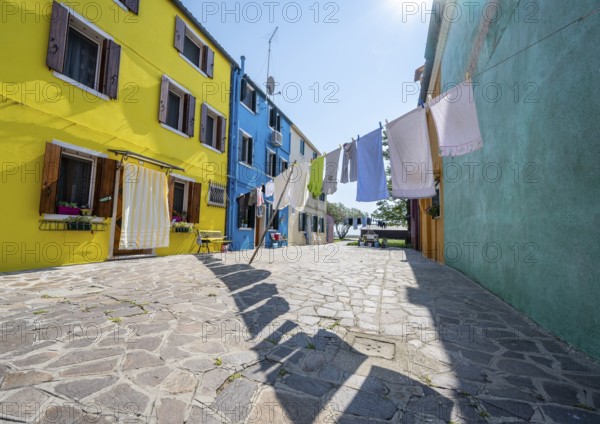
[306, 335]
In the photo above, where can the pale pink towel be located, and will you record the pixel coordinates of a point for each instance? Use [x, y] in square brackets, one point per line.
[455, 117]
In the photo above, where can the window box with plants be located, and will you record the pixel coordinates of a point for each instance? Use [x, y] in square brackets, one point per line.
[79, 223]
[183, 227]
[433, 211]
[67, 208]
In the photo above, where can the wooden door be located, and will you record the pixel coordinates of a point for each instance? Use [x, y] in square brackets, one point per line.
[118, 223]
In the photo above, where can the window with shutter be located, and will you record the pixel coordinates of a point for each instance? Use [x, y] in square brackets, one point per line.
[248, 96]
[77, 179]
[216, 195]
[177, 108]
[213, 131]
[194, 201]
[246, 147]
[82, 53]
[193, 48]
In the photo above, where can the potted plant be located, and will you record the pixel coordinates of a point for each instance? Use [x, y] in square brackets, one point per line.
[433, 211]
[244, 223]
[79, 223]
[183, 227]
[85, 211]
[67, 208]
[177, 217]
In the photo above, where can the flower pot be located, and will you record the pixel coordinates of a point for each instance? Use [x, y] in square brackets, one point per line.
[79, 226]
[67, 210]
[177, 218]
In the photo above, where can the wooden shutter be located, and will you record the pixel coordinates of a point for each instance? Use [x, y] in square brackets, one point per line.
[190, 114]
[133, 5]
[253, 100]
[110, 73]
[300, 216]
[164, 100]
[50, 178]
[203, 123]
[171, 195]
[194, 196]
[250, 151]
[243, 89]
[57, 42]
[222, 133]
[179, 34]
[106, 174]
[242, 147]
[210, 62]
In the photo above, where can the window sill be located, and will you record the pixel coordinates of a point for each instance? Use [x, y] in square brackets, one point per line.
[247, 165]
[246, 229]
[248, 109]
[57, 217]
[81, 86]
[193, 65]
[165, 126]
[122, 6]
[212, 148]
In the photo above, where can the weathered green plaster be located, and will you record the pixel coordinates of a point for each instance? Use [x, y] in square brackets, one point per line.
[546, 125]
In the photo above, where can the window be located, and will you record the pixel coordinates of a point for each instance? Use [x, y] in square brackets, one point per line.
[275, 119]
[248, 95]
[83, 53]
[302, 147]
[193, 48]
[213, 129]
[132, 5]
[315, 156]
[302, 218]
[246, 213]
[272, 213]
[246, 148]
[81, 179]
[216, 195]
[315, 223]
[271, 164]
[321, 225]
[322, 197]
[283, 165]
[184, 199]
[177, 107]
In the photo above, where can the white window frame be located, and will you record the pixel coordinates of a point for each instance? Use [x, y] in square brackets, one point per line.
[202, 45]
[79, 153]
[271, 152]
[282, 162]
[215, 114]
[302, 147]
[181, 91]
[249, 154]
[249, 87]
[186, 196]
[96, 36]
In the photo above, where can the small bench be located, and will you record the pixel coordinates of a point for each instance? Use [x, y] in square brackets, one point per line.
[208, 237]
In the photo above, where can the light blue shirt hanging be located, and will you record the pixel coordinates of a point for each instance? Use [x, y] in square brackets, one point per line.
[372, 185]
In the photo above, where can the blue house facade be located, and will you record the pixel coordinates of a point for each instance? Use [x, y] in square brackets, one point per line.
[259, 151]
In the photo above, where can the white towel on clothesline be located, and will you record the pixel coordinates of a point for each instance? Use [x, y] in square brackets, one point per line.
[410, 156]
[455, 117]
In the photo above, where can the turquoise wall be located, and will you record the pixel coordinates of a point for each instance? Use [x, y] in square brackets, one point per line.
[542, 215]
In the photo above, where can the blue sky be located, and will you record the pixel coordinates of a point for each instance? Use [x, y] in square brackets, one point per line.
[342, 66]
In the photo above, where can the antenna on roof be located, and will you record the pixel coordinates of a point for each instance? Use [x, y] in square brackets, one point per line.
[270, 79]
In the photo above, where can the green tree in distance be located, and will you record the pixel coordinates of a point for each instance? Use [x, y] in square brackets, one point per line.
[339, 212]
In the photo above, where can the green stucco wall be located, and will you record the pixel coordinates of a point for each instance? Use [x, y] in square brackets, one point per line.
[546, 125]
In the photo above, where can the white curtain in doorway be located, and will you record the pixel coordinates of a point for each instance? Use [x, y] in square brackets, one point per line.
[146, 222]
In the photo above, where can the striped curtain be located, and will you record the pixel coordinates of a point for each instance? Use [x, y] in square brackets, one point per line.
[146, 223]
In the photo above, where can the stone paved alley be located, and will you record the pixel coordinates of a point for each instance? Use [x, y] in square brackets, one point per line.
[334, 334]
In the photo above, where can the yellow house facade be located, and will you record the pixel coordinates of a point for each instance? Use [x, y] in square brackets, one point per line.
[88, 90]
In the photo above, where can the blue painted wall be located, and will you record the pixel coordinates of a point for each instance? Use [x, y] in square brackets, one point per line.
[242, 178]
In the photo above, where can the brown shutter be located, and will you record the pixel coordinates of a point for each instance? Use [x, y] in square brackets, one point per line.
[164, 98]
[106, 174]
[210, 62]
[171, 195]
[179, 34]
[203, 123]
[194, 196]
[112, 61]
[50, 178]
[57, 43]
[222, 134]
[190, 114]
[133, 5]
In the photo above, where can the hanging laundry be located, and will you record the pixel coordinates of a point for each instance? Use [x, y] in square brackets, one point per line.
[332, 164]
[253, 198]
[260, 211]
[355, 223]
[270, 189]
[364, 221]
[349, 163]
[410, 156]
[372, 184]
[298, 190]
[260, 198]
[369, 221]
[282, 187]
[455, 117]
[315, 186]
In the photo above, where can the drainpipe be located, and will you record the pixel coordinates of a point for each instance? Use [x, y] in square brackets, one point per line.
[236, 78]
